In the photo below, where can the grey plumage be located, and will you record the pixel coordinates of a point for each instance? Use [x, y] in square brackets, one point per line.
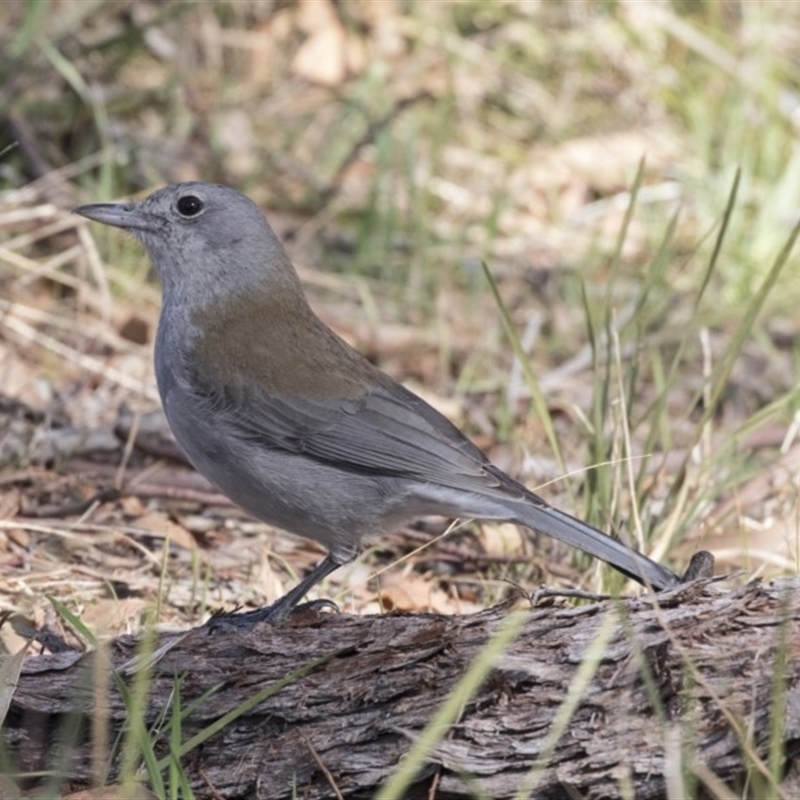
[286, 418]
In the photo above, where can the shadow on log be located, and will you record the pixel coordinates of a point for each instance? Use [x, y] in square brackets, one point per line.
[684, 694]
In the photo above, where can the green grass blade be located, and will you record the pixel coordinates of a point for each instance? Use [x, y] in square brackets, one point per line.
[249, 704]
[398, 783]
[75, 622]
[539, 402]
[740, 335]
[572, 698]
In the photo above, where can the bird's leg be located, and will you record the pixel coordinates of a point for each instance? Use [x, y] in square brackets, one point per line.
[286, 605]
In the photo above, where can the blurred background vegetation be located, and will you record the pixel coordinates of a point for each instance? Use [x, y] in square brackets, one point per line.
[585, 151]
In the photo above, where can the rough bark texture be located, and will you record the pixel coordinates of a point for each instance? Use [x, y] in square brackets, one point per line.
[686, 684]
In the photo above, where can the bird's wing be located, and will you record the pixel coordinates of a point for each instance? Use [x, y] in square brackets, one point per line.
[387, 431]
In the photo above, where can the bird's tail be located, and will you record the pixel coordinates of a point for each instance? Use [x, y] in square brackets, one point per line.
[552, 522]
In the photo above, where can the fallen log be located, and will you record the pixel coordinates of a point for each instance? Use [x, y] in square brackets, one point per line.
[689, 688]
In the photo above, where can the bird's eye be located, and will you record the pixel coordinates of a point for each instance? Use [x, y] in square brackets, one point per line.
[189, 205]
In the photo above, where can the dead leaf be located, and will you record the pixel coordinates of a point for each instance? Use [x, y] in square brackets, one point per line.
[110, 616]
[329, 53]
[501, 540]
[404, 591]
[162, 526]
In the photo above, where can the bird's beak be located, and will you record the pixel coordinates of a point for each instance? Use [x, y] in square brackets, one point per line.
[120, 215]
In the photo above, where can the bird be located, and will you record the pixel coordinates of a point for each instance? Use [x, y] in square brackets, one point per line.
[292, 423]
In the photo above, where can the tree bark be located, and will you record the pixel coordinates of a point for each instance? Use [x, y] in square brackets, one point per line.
[692, 686]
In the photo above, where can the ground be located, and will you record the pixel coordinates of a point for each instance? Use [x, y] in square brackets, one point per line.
[586, 152]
